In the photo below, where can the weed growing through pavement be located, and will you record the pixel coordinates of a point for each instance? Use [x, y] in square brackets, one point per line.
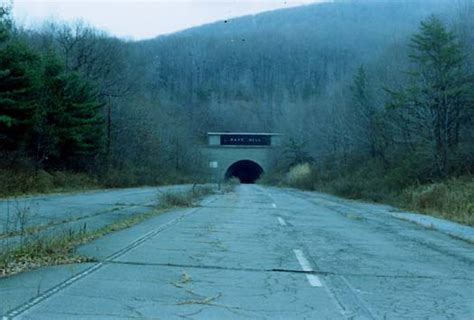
[61, 249]
[204, 301]
[184, 199]
[18, 218]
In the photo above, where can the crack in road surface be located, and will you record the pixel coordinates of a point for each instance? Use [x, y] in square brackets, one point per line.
[296, 271]
[234, 259]
[63, 285]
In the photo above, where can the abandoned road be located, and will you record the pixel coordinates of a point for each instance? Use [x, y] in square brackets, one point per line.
[258, 253]
[60, 213]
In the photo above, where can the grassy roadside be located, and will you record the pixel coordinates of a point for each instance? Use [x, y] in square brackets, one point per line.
[62, 249]
[24, 183]
[451, 199]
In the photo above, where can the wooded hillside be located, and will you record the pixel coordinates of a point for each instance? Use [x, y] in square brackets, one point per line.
[372, 88]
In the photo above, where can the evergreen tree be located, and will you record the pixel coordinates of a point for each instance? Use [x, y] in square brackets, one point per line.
[18, 67]
[48, 112]
[5, 23]
[437, 100]
[68, 122]
[366, 120]
[360, 92]
[364, 112]
[83, 121]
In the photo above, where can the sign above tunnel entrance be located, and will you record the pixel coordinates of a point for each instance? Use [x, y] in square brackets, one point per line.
[245, 140]
[243, 155]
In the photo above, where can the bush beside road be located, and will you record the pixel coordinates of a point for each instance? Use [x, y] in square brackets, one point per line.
[451, 198]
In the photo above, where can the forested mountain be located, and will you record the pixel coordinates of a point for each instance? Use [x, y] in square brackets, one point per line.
[329, 76]
[291, 71]
[259, 66]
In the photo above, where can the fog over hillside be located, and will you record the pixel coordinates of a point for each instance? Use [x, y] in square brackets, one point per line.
[256, 65]
[281, 70]
[322, 74]
[315, 162]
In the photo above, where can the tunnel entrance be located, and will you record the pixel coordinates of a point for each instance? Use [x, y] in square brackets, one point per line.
[245, 170]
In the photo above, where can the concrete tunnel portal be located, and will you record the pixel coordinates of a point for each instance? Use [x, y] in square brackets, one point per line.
[246, 171]
[242, 155]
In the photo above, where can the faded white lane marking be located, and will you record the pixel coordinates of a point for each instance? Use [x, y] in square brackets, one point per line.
[306, 266]
[304, 263]
[314, 280]
[274, 205]
[282, 222]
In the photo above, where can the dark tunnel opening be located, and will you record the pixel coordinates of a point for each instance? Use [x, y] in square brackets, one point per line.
[245, 170]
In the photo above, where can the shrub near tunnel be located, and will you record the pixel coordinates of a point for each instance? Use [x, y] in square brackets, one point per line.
[300, 176]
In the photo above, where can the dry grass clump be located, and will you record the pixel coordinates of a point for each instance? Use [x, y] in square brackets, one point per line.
[452, 199]
[61, 250]
[186, 198]
[173, 199]
[427, 196]
[42, 252]
[233, 181]
[300, 176]
[26, 182]
[201, 191]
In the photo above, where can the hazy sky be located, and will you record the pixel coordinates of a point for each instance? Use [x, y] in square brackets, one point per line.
[145, 18]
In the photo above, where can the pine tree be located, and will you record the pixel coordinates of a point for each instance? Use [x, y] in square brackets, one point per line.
[365, 118]
[68, 122]
[84, 134]
[48, 112]
[5, 120]
[437, 100]
[18, 65]
[364, 111]
[5, 23]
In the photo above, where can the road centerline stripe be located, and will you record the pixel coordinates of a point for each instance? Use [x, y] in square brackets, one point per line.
[304, 263]
[313, 280]
[281, 221]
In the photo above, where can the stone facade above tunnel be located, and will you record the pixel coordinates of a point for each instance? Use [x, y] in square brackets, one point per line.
[227, 148]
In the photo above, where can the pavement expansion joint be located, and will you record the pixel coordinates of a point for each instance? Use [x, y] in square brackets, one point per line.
[191, 266]
[240, 208]
[380, 269]
[282, 270]
[63, 285]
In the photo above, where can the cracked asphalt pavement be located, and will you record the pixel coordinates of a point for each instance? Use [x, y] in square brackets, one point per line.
[63, 213]
[258, 253]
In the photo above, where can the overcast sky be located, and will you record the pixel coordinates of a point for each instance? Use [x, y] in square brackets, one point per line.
[144, 18]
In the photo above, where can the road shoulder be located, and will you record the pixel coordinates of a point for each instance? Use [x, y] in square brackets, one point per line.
[453, 229]
[19, 289]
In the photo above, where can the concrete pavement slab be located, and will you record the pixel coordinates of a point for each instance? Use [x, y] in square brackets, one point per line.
[232, 258]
